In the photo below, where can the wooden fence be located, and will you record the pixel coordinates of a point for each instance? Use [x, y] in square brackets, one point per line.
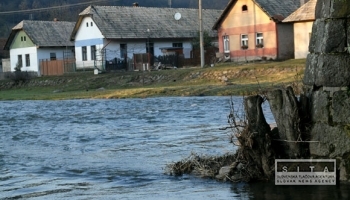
[56, 67]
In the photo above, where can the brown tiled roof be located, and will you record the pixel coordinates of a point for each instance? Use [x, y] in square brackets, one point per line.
[44, 33]
[119, 22]
[304, 13]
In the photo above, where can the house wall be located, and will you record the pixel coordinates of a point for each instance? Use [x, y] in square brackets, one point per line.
[35, 54]
[6, 65]
[302, 34]
[139, 46]
[249, 22]
[88, 35]
[32, 51]
[187, 47]
[23, 45]
[285, 41]
[21, 40]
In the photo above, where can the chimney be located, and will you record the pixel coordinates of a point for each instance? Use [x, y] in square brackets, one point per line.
[136, 4]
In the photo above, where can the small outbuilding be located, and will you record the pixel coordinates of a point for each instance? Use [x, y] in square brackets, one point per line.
[302, 20]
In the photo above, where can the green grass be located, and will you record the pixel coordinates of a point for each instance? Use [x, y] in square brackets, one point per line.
[242, 79]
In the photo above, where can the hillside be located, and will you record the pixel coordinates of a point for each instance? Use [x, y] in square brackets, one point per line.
[222, 80]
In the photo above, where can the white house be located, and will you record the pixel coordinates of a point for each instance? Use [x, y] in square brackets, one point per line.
[103, 33]
[31, 41]
[302, 20]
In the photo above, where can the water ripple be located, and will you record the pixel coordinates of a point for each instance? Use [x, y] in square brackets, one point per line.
[108, 149]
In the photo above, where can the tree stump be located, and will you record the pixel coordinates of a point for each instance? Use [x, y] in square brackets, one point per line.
[255, 150]
[285, 109]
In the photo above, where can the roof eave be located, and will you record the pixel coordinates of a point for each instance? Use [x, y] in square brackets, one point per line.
[298, 21]
[10, 39]
[224, 14]
[76, 28]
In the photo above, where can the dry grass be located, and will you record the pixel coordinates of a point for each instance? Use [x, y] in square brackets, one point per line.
[242, 79]
[203, 166]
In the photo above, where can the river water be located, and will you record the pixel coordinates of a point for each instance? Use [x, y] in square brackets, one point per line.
[118, 149]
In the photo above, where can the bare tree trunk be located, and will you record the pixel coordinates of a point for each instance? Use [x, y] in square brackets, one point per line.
[256, 151]
[285, 109]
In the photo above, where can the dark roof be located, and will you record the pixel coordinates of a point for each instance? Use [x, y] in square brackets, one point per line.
[275, 9]
[3, 53]
[44, 33]
[119, 22]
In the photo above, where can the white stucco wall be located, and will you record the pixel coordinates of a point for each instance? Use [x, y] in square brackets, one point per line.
[35, 55]
[302, 33]
[187, 47]
[45, 53]
[32, 51]
[133, 47]
[88, 35]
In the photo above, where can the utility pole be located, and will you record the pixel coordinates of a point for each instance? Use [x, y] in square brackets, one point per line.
[201, 32]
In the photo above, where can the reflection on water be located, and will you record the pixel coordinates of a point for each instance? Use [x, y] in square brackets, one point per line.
[268, 190]
[118, 149]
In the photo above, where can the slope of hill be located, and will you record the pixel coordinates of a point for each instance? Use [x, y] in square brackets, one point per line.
[222, 80]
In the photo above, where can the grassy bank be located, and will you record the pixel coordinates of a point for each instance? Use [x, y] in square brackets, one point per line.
[222, 80]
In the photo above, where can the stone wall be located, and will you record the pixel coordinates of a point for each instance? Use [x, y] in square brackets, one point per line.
[327, 84]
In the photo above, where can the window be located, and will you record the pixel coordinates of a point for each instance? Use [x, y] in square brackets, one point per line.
[259, 40]
[22, 39]
[150, 48]
[178, 44]
[91, 23]
[25, 38]
[87, 24]
[52, 56]
[123, 51]
[27, 60]
[244, 8]
[226, 41]
[84, 53]
[93, 52]
[244, 41]
[19, 62]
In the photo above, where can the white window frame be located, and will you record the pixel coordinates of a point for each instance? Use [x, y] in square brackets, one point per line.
[259, 40]
[244, 40]
[226, 41]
